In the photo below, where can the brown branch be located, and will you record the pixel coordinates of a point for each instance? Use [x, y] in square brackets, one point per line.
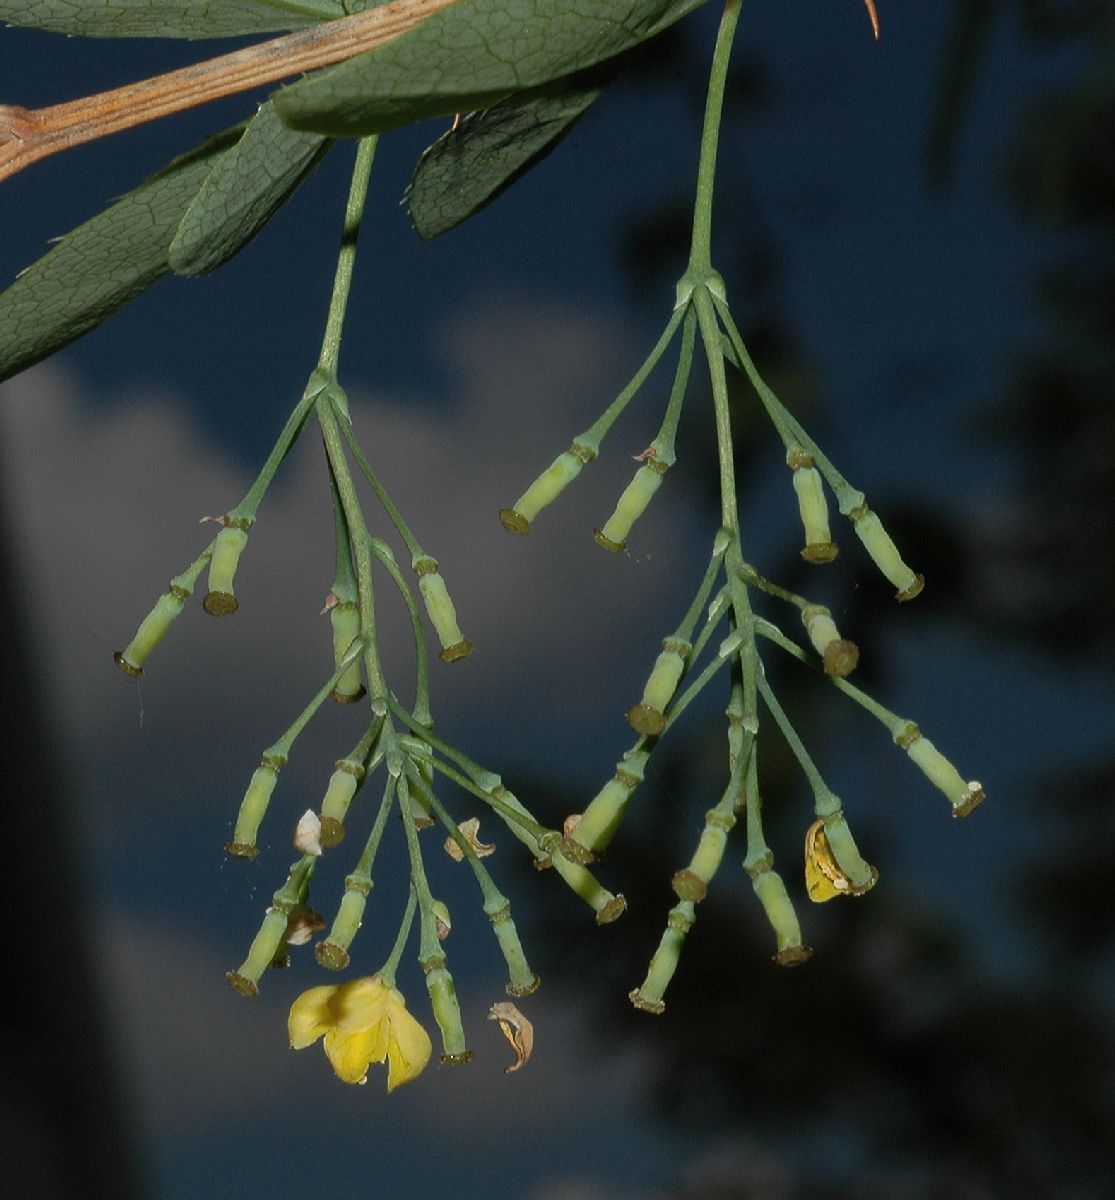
[26, 135]
[874, 17]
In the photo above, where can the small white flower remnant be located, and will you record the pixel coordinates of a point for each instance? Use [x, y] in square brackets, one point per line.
[307, 834]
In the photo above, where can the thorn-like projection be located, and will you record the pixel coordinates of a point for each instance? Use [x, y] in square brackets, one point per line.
[874, 17]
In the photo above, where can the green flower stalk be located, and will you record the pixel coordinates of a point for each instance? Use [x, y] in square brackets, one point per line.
[333, 952]
[497, 907]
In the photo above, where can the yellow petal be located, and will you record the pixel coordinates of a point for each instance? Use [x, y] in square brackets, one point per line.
[310, 1017]
[408, 1044]
[824, 880]
[358, 1004]
[350, 1053]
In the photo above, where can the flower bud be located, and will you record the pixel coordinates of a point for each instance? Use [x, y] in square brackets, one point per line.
[265, 945]
[692, 882]
[152, 630]
[447, 1012]
[227, 547]
[664, 962]
[779, 909]
[338, 796]
[546, 488]
[254, 806]
[332, 952]
[344, 618]
[632, 504]
[605, 811]
[442, 614]
[840, 656]
[884, 553]
[819, 546]
[648, 716]
[963, 796]
[443, 920]
[606, 906]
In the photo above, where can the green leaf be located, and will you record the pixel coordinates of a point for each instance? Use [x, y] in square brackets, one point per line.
[469, 55]
[101, 265]
[472, 164]
[243, 192]
[173, 18]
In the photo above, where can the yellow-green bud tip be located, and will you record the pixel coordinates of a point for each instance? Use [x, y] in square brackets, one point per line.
[688, 885]
[514, 522]
[576, 852]
[331, 956]
[645, 1004]
[125, 666]
[332, 832]
[461, 649]
[915, 589]
[612, 911]
[792, 955]
[820, 552]
[242, 850]
[220, 604]
[524, 989]
[646, 720]
[607, 543]
[970, 801]
[242, 984]
[840, 658]
[456, 1060]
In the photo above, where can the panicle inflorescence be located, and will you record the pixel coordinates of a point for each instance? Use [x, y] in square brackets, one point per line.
[720, 633]
[365, 1020]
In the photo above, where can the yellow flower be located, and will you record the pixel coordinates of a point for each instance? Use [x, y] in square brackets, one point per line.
[824, 877]
[363, 1021]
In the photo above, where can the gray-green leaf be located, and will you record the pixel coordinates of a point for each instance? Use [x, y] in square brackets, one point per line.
[173, 18]
[469, 55]
[101, 265]
[243, 191]
[470, 165]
